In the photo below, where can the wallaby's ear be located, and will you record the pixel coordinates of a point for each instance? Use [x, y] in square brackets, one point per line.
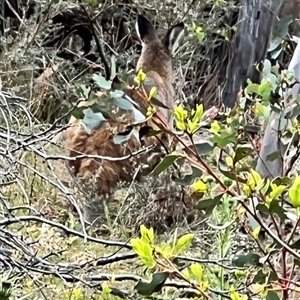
[144, 29]
[173, 37]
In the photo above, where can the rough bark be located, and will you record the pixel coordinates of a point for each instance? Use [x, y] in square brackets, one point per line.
[255, 24]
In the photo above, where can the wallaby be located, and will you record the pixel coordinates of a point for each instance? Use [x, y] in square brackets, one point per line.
[155, 61]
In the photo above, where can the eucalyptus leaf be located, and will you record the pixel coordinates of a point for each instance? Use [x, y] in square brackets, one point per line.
[92, 120]
[123, 104]
[117, 94]
[102, 82]
[275, 43]
[138, 116]
[124, 137]
[276, 53]
[85, 91]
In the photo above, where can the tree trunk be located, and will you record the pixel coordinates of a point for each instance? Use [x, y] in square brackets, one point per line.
[255, 24]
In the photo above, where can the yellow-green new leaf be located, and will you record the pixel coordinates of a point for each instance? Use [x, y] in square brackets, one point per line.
[183, 243]
[141, 76]
[215, 127]
[192, 126]
[153, 93]
[294, 193]
[276, 190]
[254, 179]
[197, 271]
[255, 232]
[147, 234]
[144, 251]
[198, 114]
[229, 161]
[199, 186]
[106, 290]
[180, 114]
[235, 296]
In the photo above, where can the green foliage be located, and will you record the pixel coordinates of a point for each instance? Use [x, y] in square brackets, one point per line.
[162, 259]
[5, 291]
[189, 123]
[197, 31]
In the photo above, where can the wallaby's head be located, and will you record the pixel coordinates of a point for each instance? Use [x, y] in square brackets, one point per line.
[156, 52]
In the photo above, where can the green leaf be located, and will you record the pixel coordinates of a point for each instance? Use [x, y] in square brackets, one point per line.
[209, 204]
[138, 116]
[167, 161]
[5, 291]
[144, 251]
[123, 104]
[188, 179]
[117, 94]
[267, 66]
[252, 88]
[276, 207]
[273, 156]
[147, 234]
[275, 43]
[118, 84]
[77, 112]
[140, 77]
[272, 296]
[153, 92]
[198, 114]
[102, 82]
[294, 193]
[296, 245]
[127, 105]
[248, 259]
[241, 152]
[262, 208]
[276, 53]
[283, 27]
[263, 276]
[183, 243]
[158, 103]
[148, 131]
[92, 120]
[264, 90]
[85, 91]
[197, 271]
[223, 139]
[156, 284]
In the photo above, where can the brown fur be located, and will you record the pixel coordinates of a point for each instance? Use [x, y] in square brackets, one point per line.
[155, 61]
